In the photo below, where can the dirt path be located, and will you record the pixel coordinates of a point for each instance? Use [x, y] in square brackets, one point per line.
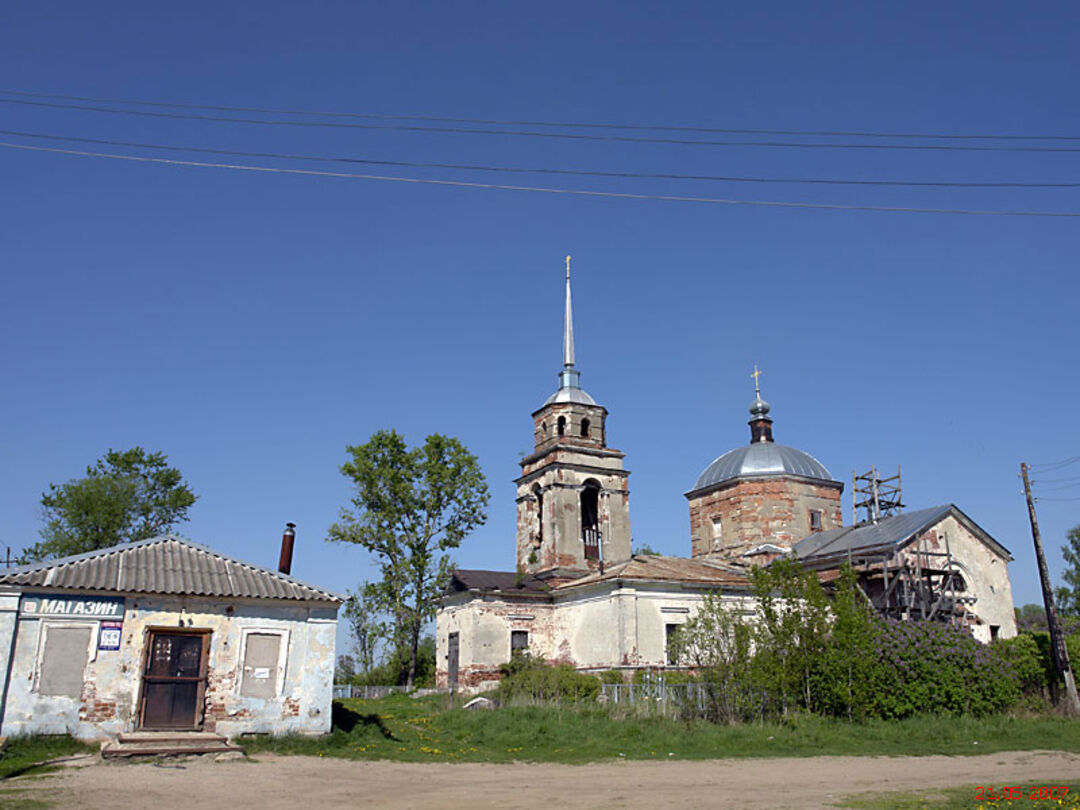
[309, 783]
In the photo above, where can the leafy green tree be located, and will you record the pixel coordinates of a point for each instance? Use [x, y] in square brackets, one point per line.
[410, 507]
[125, 496]
[366, 625]
[1068, 596]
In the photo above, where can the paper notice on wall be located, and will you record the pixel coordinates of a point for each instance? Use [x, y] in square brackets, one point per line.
[109, 636]
[261, 672]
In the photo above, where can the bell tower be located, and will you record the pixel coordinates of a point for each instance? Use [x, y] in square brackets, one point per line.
[572, 496]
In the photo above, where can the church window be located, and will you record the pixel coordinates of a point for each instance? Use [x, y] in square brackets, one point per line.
[717, 530]
[543, 428]
[590, 519]
[671, 644]
[815, 520]
[584, 427]
[519, 642]
[539, 493]
[561, 425]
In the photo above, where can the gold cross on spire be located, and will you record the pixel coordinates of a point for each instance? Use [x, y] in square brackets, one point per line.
[568, 268]
[757, 382]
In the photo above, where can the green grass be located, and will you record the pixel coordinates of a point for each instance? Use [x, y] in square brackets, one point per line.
[30, 755]
[25, 755]
[425, 730]
[961, 798]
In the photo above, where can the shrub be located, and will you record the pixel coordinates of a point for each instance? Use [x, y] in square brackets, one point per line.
[527, 679]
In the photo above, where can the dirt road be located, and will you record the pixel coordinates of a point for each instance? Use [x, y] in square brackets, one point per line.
[304, 782]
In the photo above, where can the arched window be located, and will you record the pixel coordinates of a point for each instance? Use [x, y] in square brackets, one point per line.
[561, 425]
[543, 428]
[539, 495]
[584, 427]
[590, 519]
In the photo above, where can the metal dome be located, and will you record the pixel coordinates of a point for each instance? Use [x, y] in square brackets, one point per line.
[576, 395]
[761, 459]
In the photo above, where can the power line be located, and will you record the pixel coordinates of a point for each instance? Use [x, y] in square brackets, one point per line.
[538, 189]
[1055, 465]
[1056, 480]
[576, 136]
[535, 170]
[560, 124]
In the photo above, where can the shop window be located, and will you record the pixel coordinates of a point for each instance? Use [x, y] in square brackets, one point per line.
[519, 642]
[263, 664]
[64, 654]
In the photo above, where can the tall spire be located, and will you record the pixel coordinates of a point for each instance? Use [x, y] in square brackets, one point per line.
[568, 325]
[569, 377]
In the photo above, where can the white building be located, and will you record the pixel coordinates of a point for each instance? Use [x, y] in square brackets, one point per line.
[161, 635]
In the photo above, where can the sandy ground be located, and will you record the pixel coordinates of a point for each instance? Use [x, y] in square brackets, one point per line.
[289, 782]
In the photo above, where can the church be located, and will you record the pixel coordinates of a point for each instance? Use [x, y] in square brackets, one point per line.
[579, 596]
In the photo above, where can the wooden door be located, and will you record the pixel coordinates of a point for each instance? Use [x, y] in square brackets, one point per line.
[452, 661]
[174, 680]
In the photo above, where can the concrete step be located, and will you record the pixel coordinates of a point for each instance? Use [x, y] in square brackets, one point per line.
[148, 743]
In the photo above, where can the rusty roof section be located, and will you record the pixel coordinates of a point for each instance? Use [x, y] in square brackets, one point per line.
[654, 568]
[165, 565]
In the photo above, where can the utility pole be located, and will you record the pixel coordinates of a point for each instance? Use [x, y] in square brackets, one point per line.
[1058, 651]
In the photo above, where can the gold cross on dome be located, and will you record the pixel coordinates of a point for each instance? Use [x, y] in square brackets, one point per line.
[756, 375]
[567, 267]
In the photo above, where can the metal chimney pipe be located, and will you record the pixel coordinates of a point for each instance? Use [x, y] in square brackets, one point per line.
[285, 563]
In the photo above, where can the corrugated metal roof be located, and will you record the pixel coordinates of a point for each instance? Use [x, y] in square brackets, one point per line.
[761, 459]
[889, 533]
[165, 565]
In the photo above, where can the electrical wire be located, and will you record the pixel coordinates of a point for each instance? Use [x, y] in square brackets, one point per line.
[576, 136]
[1058, 499]
[534, 170]
[539, 189]
[1054, 465]
[560, 124]
[1056, 480]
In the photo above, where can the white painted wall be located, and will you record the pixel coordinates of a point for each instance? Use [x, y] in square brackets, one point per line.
[113, 677]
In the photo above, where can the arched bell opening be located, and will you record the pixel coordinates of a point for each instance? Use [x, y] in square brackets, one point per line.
[590, 519]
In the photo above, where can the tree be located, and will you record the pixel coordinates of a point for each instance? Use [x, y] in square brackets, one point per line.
[367, 629]
[124, 497]
[410, 507]
[1069, 594]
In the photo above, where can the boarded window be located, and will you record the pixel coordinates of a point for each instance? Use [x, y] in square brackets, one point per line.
[519, 642]
[261, 665]
[63, 660]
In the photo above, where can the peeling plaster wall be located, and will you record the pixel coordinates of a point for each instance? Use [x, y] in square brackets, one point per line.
[113, 678]
[606, 626]
[984, 570]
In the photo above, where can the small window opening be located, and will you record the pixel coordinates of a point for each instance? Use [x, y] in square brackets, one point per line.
[590, 520]
[994, 630]
[584, 427]
[519, 642]
[671, 644]
[717, 531]
[958, 582]
[543, 428]
[561, 426]
[539, 494]
[815, 520]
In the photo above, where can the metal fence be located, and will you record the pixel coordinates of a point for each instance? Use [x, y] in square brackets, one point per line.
[351, 690]
[674, 698]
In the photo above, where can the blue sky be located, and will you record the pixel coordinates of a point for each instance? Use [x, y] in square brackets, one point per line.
[252, 325]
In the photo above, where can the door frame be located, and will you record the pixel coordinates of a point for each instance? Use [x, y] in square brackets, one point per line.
[200, 692]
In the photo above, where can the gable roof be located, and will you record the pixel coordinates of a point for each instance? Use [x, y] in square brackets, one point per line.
[165, 565]
[888, 535]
